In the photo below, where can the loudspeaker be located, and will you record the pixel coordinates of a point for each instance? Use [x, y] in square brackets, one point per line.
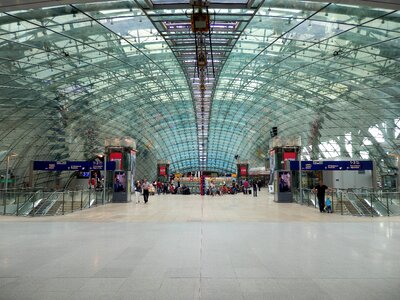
[274, 131]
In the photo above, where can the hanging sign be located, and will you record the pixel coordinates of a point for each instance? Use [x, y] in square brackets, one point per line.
[315, 165]
[72, 165]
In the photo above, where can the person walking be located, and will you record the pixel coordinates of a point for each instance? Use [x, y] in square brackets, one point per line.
[245, 186]
[255, 187]
[320, 189]
[145, 189]
[328, 204]
[159, 187]
[138, 191]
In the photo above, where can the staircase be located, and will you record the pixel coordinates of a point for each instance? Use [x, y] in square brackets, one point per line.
[70, 206]
[337, 207]
[73, 202]
[53, 210]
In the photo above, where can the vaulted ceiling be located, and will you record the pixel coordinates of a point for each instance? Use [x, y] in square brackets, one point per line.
[72, 75]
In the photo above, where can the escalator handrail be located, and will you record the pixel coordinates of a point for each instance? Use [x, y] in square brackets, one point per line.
[28, 202]
[370, 206]
[38, 207]
[359, 198]
[377, 199]
[353, 202]
[46, 200]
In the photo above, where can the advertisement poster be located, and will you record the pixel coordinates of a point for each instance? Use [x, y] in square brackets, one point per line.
[133, 169]
[119, 182]
[162, 171]
[284, 182]
[272, 161]
[117, 157]
[243, 170]
[289, 156]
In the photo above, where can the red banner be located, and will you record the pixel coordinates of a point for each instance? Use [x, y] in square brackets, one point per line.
[289, 156]
[117, 157]
[243, 170]
[162, 171]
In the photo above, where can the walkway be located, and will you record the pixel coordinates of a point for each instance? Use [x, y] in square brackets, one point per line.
[188, 247]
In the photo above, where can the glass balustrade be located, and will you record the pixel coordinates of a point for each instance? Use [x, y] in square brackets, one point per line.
[356, 202]
[41, 203]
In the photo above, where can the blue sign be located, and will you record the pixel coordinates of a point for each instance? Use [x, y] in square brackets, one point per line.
[72, 165]
[332, 165]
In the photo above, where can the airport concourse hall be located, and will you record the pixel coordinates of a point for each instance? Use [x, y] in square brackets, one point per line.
[192, 149]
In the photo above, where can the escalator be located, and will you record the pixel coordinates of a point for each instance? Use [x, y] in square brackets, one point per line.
[308, 197]
[387, 203]
[39, 203]
[71, 201]
[45, 205]
[361, 205]
[32, 201]
[379, 206]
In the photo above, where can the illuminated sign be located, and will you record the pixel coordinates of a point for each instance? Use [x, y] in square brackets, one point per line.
[348, 165]
[72, 165]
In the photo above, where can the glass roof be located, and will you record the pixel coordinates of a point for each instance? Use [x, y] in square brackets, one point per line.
[74, 75]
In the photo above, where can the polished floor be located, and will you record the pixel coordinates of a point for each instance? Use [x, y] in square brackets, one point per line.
[192, 247]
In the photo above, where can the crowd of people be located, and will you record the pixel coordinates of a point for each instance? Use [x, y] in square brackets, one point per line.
[213, 188]
[144, 188]
[243, 186]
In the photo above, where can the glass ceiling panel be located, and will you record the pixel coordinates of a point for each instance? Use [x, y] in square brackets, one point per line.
[74, 75]
[307, 64]
[96, 64]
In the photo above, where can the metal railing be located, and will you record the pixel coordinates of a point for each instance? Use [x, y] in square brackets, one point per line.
[356, 202]
[41, 203]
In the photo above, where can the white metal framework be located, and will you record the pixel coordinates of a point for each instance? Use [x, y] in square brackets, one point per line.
[72, 75]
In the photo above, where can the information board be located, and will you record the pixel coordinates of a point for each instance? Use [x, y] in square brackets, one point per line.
[343, 165]
[72, 165]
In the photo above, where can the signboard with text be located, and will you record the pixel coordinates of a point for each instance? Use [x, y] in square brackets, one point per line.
[72, 165]
[316, 165]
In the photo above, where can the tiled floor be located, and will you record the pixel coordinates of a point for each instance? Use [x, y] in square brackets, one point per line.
[189, 247]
